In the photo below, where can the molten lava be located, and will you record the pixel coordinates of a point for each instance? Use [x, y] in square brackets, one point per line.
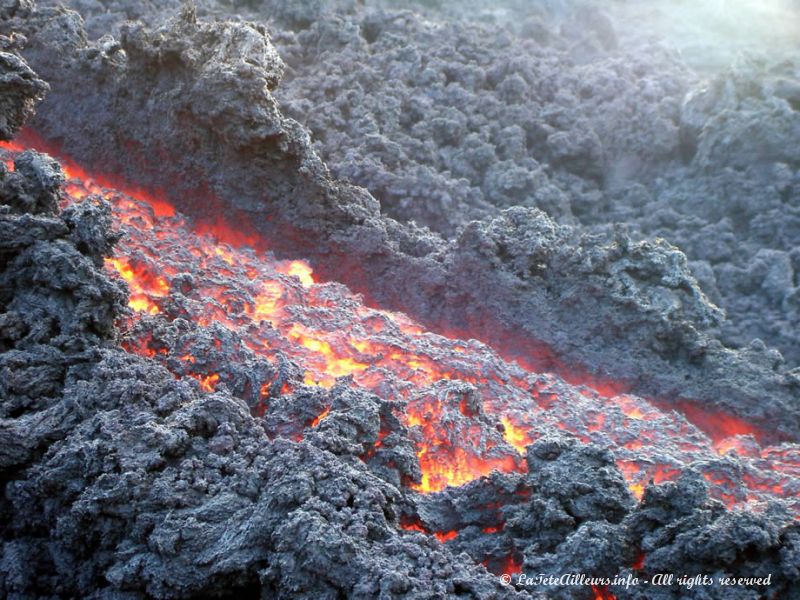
[143, 285]
[602, 594]
[468, 411]
[442, 536]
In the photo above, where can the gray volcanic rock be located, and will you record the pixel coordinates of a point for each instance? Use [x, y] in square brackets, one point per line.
[121, 479]
[20, 89]
[448, 112]
[56, 307]
[572, 522]
[646, 321]
[164, 491]
[597, 133]
[444, 122]
[682, 531]
[572, 514]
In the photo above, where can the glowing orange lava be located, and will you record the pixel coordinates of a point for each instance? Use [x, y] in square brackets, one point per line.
[602, 593]
[519, 437]
[208, 382]
[321, 417]
[414, 525]
[511, 566]
[468, 411]
[144, 286]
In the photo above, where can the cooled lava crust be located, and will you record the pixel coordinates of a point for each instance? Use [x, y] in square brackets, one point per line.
[225, 373]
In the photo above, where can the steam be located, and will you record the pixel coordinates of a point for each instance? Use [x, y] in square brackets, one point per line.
[712, 34]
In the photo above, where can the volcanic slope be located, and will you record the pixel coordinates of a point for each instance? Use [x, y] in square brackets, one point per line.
[120, 480]
[208, 129]
[596, 114]
[137, 475]
[151, 475]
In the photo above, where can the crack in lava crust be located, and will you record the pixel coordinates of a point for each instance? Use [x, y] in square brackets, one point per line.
[468, 412]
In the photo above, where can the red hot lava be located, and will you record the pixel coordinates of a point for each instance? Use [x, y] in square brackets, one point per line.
[469, 411]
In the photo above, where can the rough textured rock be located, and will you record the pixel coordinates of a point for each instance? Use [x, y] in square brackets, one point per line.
[571, 523]
[164, 491]
[19, 86]
[472, 119]
[650, 323]
[121, 481]
[682, 531]
[56, 307]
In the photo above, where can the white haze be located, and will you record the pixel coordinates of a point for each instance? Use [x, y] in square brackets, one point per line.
[711, 34]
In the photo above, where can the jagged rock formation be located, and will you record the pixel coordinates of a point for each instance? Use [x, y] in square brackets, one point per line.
[122, 481]
[20, 89]
[650, 323]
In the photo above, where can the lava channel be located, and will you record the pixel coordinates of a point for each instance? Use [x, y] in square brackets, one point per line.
[467, 411]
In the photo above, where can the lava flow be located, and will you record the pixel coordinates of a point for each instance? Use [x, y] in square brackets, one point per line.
[467, 410]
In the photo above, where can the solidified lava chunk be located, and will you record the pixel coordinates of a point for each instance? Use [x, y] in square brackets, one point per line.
[20, 89]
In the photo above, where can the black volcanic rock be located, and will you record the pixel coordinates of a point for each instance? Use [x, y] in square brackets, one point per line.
[123, 481]
[157, 93]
